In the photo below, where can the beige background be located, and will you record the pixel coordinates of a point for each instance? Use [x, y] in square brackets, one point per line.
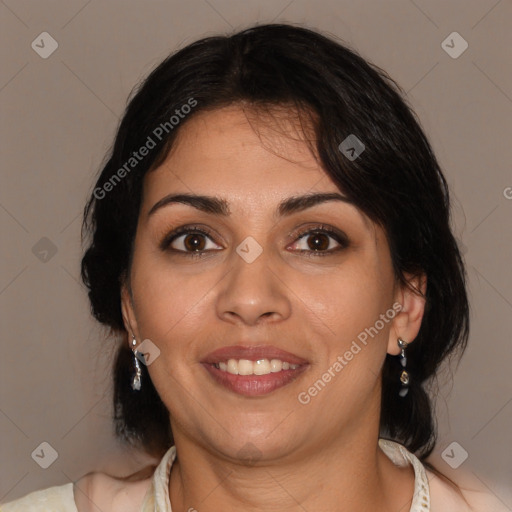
[58, 118]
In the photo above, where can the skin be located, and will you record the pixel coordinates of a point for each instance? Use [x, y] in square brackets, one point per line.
[319, 456]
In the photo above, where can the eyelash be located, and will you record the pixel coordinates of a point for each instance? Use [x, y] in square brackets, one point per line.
[340, 238]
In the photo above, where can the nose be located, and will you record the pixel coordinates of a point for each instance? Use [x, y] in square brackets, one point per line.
[254, 292]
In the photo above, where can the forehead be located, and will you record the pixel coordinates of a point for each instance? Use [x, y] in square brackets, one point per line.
[253, 161]
[235, 149]
[277, 129]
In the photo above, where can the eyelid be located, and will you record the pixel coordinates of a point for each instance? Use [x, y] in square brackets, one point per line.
[314, 227]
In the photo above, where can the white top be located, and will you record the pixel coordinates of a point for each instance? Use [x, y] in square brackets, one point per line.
[431, 494]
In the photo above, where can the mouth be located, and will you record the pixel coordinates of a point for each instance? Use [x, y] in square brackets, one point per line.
[253, 371]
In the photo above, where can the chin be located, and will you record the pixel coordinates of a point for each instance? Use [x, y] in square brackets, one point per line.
[250, 446]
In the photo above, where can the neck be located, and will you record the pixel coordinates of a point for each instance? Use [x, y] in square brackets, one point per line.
[351, 474]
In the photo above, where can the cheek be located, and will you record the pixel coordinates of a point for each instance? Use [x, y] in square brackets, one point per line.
[164, 303]
[348, 299]
[171, 302]
[344, 309]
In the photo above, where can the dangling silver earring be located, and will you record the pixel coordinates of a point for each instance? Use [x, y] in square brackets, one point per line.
[404, 376]
[136, 378]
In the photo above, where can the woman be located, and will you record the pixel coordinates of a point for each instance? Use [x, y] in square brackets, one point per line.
[270, 240]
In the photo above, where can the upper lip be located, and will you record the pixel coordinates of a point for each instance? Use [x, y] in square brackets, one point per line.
[252, 353]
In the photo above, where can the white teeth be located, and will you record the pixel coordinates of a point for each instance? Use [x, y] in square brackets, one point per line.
[233, 367]
[259, 367]
[245, 367]
[276, 365]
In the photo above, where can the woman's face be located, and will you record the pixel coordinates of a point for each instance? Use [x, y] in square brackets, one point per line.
[314, 281]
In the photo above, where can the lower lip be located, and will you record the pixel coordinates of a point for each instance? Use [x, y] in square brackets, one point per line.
[254, 385]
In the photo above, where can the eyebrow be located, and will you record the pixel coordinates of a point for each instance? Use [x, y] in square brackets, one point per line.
[218, 206]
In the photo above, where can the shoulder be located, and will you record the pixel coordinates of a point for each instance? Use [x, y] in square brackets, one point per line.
[93, 492]
[104, 492]
[58, 498]
[461, 497]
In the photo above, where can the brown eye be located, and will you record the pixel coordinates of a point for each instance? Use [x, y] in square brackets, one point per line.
[189, 240]
[318, 241]
[194, 242]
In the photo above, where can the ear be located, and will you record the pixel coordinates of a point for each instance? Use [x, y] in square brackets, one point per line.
[129, 320]
[406, 324]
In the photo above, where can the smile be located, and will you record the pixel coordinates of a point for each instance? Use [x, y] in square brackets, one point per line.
[253, 370]
[254, 378]
[259, 367]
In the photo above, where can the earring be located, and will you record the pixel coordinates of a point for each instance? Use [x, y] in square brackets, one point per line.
[404, 376]
[136, 378]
